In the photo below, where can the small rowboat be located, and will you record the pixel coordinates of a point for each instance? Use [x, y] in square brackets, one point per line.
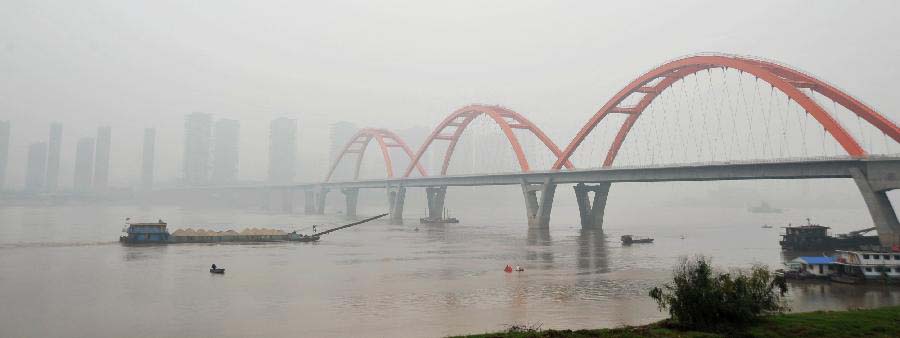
[219, 270]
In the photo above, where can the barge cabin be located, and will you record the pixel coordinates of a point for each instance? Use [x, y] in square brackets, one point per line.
[141, 233]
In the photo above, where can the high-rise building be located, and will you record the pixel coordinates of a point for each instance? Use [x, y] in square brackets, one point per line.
[282, 150]
[225, 151]
[84, 164]
[339, 135]
[36, 168]
[4, 150]
[197, 134]
[53, 156]
[147, 158]
[101, 158]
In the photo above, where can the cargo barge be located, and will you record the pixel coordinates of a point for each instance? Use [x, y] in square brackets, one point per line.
[812, 237]
[156, 233]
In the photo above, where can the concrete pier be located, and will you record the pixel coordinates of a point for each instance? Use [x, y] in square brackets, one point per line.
[321, 196]
[436, 197]
[537, 208]
[591, 212]
[874, 186]
[351, 196]
[396, 198]
[287, 200]
[309, 202]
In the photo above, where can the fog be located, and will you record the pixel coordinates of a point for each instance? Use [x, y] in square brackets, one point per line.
[394, 64]
[245, 104]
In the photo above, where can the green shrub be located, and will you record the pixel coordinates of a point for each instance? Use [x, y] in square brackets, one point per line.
[699, 297]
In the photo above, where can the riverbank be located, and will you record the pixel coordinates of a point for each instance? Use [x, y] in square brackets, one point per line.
[881, 322]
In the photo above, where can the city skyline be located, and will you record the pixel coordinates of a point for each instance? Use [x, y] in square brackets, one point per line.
[282, 150]
[55, 143]
[197, 135]
[84, 165]
[4, 152]
[36, 167]
[103, 143]
[226, 152]
[148, 159]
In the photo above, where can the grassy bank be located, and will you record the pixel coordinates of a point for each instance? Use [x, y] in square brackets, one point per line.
[882, 322]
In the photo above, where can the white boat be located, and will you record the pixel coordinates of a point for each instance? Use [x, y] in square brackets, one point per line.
[852, 266]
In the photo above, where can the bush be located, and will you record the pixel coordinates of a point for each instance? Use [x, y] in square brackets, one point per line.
[700, 298]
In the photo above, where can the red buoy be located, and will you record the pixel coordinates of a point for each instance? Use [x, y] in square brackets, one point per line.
[508, 268]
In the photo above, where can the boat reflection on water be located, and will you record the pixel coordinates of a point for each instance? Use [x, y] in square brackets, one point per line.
[836, 296]
[144, 253]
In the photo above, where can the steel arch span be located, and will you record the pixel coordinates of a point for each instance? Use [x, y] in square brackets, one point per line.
[386, 139]
[452, 128]
[787, 80]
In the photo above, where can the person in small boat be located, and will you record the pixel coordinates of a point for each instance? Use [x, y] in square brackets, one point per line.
[314, 228]
[213, 266]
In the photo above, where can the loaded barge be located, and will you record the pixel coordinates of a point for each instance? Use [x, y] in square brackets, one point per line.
[156, 233]
[812, 237]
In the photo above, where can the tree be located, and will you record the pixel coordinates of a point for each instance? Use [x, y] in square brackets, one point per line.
[698, 297]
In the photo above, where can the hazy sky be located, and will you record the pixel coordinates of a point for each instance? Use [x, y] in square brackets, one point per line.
[397, 64]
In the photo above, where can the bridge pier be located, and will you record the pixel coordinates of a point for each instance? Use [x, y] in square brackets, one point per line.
[538, 208]
[591, 212]
[396, 198]
[287, 200]
[436, 197]
[309, 202]
[265, 199]
[351, 196]
[874, 186]
[321, 196]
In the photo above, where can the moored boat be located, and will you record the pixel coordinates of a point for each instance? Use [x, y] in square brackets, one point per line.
[809, 267]
[867, 265]
[811, 237]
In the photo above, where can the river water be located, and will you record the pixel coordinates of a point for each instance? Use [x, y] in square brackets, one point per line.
[63, 274]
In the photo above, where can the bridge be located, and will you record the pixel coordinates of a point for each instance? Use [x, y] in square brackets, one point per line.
[709, 108]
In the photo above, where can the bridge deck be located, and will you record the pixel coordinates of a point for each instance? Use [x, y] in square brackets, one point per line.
[800, 169]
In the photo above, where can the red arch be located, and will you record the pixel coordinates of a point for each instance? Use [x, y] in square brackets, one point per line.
[507, 119]
[787, 80]
[361, 142]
